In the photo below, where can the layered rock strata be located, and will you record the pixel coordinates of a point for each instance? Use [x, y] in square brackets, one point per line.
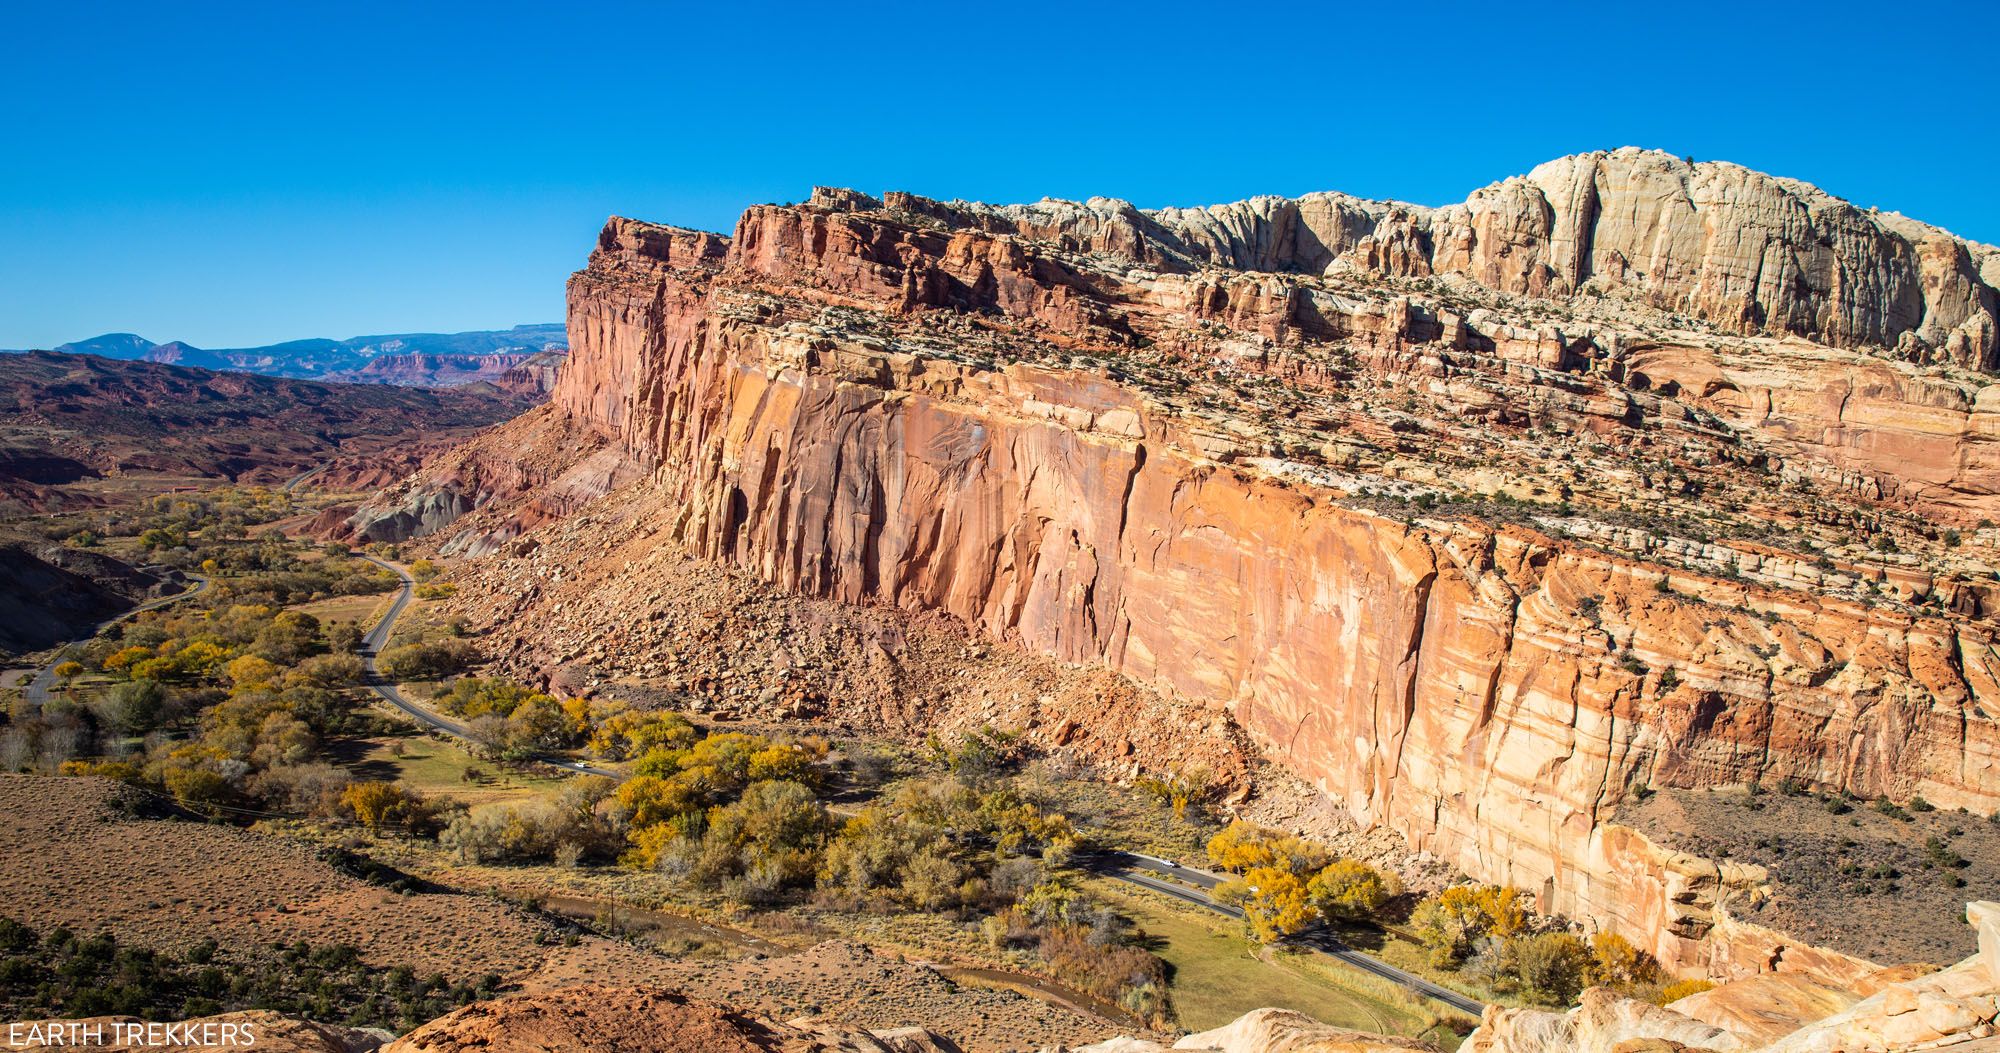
[1955, 1009]
[1200, 449]
[1742, 250]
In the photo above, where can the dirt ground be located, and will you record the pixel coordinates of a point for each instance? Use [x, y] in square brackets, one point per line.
[1859, 881]
[849, 984]
[75, 859]
[78, 857]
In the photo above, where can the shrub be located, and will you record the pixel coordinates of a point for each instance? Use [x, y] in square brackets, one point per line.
[59, 974]
[1618, 964]
[315, 789]
[328, 670]
[1242, 846]
[1178, 790]
[1555, 966]
[538, 831]
[380, 805]
[1680, 989]
[426, 661]
[632, 734]
[755, 849]
[134, 706]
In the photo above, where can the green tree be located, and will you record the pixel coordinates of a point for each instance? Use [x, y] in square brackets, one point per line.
[1554, 966]
[426, 661]
[134, 706]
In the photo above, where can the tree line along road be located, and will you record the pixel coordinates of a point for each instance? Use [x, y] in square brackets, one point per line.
[37, 690]
[1135, 869]
[371, 648]
[1129, 867]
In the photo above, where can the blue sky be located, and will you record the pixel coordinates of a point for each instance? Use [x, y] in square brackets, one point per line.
[233, 175]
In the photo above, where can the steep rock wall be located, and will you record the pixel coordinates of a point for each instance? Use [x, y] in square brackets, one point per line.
[1490, 694]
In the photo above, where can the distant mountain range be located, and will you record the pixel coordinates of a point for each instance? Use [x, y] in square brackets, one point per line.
[408, 359]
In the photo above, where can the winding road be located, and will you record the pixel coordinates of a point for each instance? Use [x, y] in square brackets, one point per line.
[1190, 885]
[378, 637]
[294, 482]
[37, 690]
[1135, 869]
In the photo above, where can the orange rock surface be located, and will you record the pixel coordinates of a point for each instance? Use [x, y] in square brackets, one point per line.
[1068, 428]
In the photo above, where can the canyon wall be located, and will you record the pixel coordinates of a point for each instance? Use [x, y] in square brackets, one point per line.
[1490, 692]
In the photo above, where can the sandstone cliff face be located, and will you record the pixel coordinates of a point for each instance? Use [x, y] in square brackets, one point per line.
[1491, 693]
[1197, 448]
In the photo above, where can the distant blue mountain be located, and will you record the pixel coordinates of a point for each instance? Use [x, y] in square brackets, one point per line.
[323, 358]
[130, 347]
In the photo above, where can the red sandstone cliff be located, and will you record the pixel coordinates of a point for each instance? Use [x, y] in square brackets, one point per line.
[1068, 427]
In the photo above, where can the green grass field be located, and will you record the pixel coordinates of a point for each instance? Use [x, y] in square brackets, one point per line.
[437, 769]
[1219, 975]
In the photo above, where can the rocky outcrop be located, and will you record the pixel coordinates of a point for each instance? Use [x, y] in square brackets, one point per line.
[603, 1019]
[1742, 250]
[55, 593]
[1263, 1031]
[1765, 1008]
[543, 453]
[1603, 1022]
[534, 376]
[1850, 422]
[1956, 1008]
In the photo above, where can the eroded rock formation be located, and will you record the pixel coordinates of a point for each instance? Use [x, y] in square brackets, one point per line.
[1956, 1008]
[1745, 251]
[1263, 456]
[1263, 1031]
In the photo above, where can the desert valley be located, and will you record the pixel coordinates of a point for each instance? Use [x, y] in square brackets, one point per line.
[1560, 620]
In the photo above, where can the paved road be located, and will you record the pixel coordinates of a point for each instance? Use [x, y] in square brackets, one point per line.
[293, 483]
[37, 691]
[1153, 873]
[1160, 875]
[371, 645]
